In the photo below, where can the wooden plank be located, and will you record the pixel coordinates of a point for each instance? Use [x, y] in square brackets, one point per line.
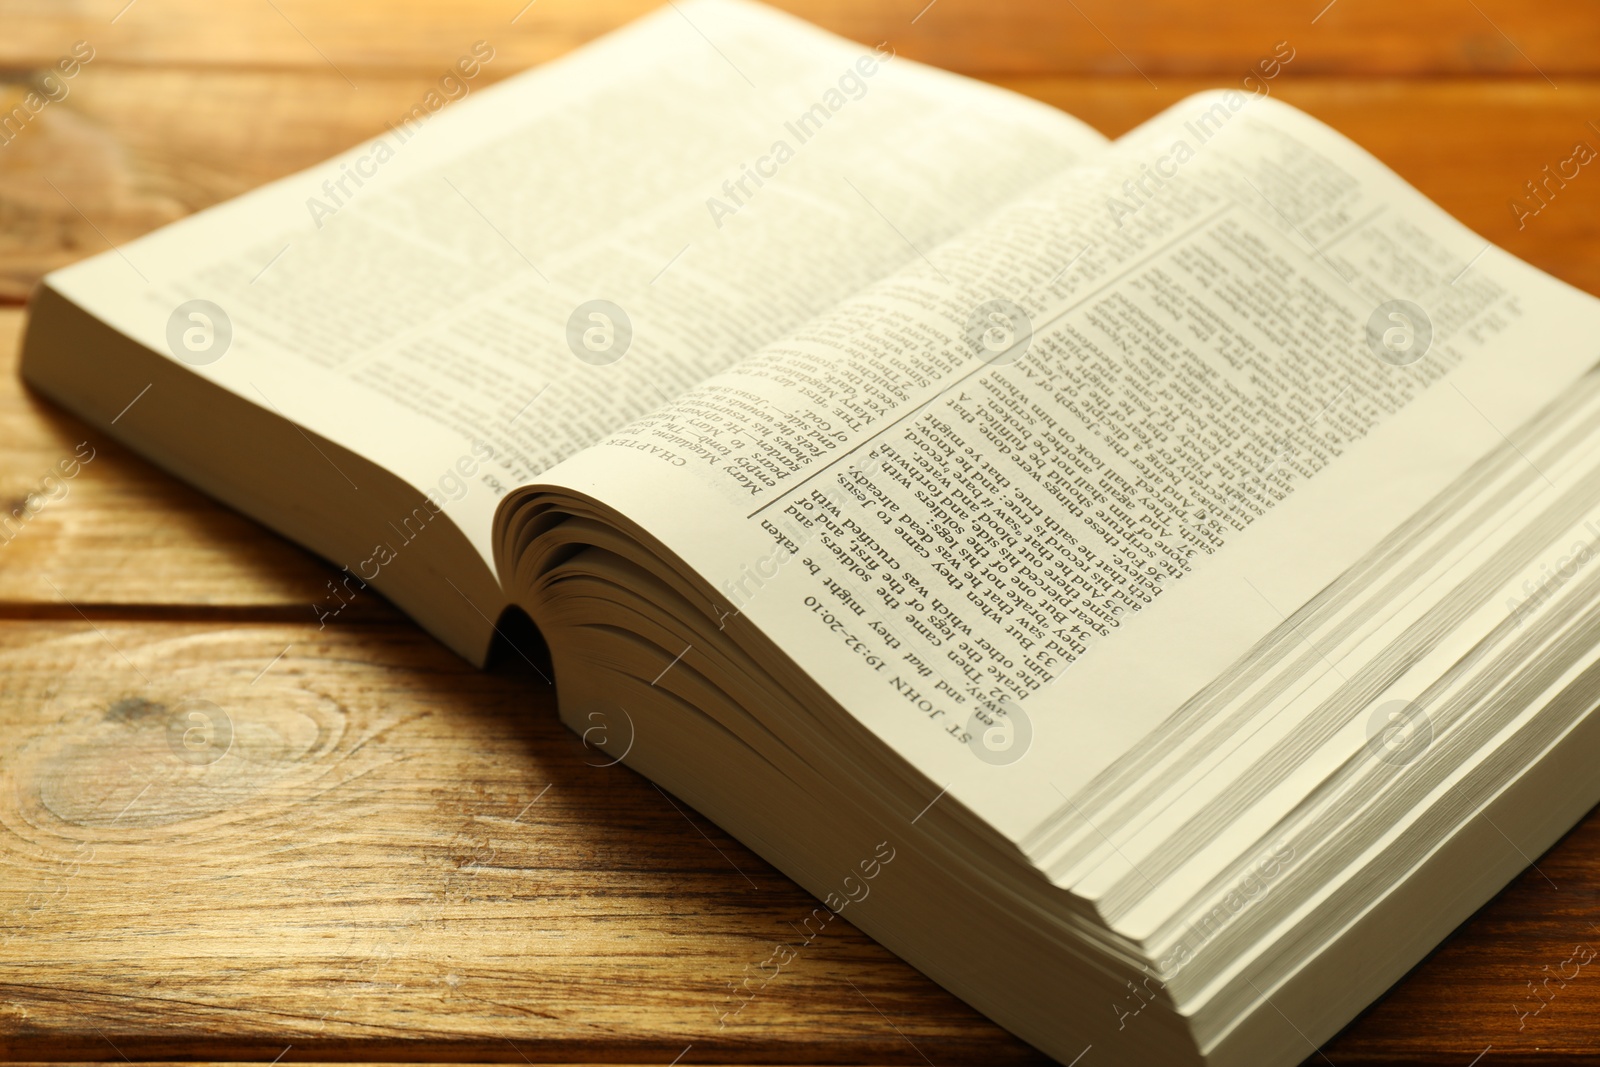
[399, 857]
[132, 149]
[1155, 38]
[396, 857]
[87, 527]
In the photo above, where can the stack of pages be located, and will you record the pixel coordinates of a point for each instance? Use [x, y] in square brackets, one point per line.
[1143, 583]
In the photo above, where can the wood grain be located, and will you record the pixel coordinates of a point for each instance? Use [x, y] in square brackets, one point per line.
[120, 537]
[1152, 38]
[401, 858]
[395, 857]
[362, 877]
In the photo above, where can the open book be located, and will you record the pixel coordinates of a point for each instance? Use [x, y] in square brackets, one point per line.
[1142, 583]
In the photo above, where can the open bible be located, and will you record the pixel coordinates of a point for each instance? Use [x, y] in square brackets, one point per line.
[1143, 583]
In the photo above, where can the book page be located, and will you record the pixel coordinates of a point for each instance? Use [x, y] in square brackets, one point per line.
[509, 273]
[1108, 440]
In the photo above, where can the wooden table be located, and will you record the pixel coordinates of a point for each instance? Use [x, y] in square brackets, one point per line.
[412, 861]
